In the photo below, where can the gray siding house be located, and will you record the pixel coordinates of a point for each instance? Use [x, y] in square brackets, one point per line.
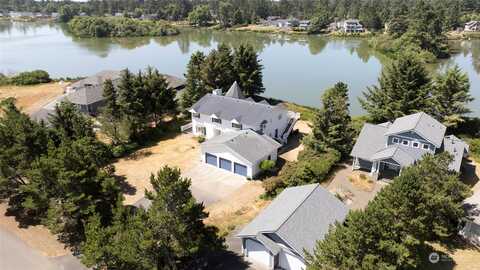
[280, 235]
[386, 148]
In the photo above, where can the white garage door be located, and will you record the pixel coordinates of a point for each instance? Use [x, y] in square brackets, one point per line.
[257, 253]
[289, 261]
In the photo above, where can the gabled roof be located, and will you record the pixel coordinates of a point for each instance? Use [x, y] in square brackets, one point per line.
[247, 144]
[421, 123]
[370, 141]
[97, 79]
[235, 91]
[396, 153]
[86, 95]
[300, 216]
[457, 148]
[251, 113]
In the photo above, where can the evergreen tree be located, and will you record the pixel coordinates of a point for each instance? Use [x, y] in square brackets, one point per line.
[331, 127]
[195, 87]
[218, 72]
[69, 123]
[160, 99]
[451, 96]
[404, 88]
[248, 70]
[423, 204]
[169, 235]
[111, 114]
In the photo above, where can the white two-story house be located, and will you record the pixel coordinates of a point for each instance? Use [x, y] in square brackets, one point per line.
[219, 116]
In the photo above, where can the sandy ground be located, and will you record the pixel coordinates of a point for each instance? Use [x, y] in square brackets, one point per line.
[178, 151]
[237, 209]
[32, 98]
[37, 237]
[294, 145]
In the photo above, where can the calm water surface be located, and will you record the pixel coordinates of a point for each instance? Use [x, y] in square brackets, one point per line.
[296, 68]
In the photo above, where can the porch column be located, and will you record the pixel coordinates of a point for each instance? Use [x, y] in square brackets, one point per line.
[374, 168]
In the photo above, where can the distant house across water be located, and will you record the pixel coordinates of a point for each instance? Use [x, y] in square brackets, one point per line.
[347, 26]
[472, 26]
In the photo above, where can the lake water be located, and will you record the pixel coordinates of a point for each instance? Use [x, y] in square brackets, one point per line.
[296, 68]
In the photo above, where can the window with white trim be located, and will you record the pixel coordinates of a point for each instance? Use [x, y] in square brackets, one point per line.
[196, 115]
[235, 125]
[216, 120]
[426, 146]
[416, 145]
[396, 140]
[405, 142]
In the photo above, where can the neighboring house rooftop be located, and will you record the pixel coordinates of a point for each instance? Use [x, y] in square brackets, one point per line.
[421, 123]
[97, 79]
[246, 143]
[371, 140]
[396, 153]
[472, 207]
[300, 216]
[457, 148]
[244, 111]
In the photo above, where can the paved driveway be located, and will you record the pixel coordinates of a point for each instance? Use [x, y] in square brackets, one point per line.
[17, 255]
[211, 184]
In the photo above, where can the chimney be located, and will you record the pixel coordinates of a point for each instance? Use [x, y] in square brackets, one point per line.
[217, 92]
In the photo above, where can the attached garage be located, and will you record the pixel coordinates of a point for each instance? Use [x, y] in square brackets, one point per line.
[239, 152]
[225, 164]
[240, 169]
[211, 159]
[257, 253]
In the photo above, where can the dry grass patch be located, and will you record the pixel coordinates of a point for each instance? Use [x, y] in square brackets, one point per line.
[362, 181]
[460, 257]
[31, 98]
[237, 209]
[38, 237]
[179, 151]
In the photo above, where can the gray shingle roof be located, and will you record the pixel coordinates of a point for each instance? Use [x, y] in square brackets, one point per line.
[300, 216]
[97, 79]
[423, 124]
[370, 141]
[396, 153]
[457, 148]
[227, 108]
[472, 206]
[245, 143]
[235, 91]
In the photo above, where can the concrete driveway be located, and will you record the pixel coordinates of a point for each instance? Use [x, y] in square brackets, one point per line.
[211, 184]
[16, 255]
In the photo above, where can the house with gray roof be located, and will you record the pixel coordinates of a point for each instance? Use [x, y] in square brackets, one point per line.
[386, 148]
[471, 225]
[290, 226]
[239, 152]
[215, 114]
[87, 93]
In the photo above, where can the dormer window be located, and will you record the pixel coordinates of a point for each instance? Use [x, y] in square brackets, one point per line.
[396, 140]
[195, 115]
[426, 146]
[235, 125]
[216, 120]
[405, 142]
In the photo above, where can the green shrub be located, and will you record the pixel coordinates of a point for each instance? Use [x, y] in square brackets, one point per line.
[475, 148]
[200, 139]
[31, 77]
[4, 79]
[267, 165]
[310, 168]
[118, 151]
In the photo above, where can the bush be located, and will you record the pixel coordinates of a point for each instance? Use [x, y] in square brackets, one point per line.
[4, 79]
[475, 148]
[200, 139]
[267, 165]
[31, 77]
[310, 168]
[124, 149]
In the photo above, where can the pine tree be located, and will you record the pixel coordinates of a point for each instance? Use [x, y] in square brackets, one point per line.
[404, 88]
[111, 114]
[451, 96]
[423, 204]
[332, 123]
[160, 99]
[69, 123]
[218, 72]
[195, 87]
[248, 70]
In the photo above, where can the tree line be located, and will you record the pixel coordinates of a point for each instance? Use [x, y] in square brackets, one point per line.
[219, 70]
[60, 175]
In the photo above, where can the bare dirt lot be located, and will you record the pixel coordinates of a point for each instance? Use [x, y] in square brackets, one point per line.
[179, 151]
[32, 98]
